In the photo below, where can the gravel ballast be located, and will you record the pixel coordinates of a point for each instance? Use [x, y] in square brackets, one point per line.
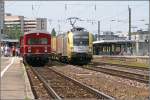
[120, 88]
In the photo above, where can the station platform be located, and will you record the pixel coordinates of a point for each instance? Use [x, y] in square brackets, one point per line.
[15, 84]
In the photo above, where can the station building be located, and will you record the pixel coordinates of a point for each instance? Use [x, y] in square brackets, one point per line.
[142, 39]
[110, 44]
[10, 42]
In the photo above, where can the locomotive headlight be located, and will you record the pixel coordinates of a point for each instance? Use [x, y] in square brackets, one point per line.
[72, 49]
[29, 49]
[45, 49]
[90, 49]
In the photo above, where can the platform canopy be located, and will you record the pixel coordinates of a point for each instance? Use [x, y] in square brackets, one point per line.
[113, 41]
[9, 40]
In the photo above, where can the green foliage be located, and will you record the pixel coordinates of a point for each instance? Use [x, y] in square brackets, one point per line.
[53, 33]
[13, 32]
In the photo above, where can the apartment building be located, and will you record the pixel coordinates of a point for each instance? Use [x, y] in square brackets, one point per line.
[35, 24]
[12, 22]
[24, 24]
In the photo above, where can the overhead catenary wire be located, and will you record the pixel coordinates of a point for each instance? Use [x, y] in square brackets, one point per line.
[104, 4]
[9, 4]
[96, 8]
[35, 10]
[62, 3]
[125, 11]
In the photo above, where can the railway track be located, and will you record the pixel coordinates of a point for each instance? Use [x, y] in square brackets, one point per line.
[129, 73]
[119, 65]
[140, 75]
[60, 86]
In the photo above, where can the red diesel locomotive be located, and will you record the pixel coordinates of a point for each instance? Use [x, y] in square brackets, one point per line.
[35, 47]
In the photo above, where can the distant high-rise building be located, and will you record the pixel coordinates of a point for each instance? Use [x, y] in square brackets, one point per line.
[35, 24]
[29, 24]
[41, 23]
[24, 24]
[11, 22]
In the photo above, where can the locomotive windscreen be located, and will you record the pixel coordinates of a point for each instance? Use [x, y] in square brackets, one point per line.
[36, 41]
[81, 40]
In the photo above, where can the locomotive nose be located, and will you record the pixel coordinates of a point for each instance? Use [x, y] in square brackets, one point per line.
[37, 50]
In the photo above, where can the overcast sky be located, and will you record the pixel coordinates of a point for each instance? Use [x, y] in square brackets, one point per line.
[105, 11]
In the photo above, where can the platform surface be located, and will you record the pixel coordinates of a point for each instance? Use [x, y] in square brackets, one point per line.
[14, 81]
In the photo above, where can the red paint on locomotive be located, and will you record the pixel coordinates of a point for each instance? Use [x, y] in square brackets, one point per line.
[35, 46]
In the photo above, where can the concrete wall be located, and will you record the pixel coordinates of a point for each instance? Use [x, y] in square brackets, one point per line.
[141, 59]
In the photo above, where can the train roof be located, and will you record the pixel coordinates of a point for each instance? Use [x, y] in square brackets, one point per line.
[37, 31]
[78, 29]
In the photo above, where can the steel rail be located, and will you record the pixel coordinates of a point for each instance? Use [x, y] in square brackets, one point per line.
[33, 90]
[99, 94]
[125, 74]
[48, 87]
[121, 65]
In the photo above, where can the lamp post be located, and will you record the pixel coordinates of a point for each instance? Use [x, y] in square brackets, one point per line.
[143, 20]
[98, 30]
[110, 23]
[134, 27]
[148, 27]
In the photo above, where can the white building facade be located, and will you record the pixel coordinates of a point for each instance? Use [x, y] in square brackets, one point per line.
[141, 46]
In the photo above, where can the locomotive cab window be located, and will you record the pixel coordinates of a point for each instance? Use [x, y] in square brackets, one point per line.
[35, 41]
[80, 40]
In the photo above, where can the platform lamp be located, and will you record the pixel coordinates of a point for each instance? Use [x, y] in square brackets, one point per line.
[98, 30]
[110, 23]
[134, 27]
[148, 26]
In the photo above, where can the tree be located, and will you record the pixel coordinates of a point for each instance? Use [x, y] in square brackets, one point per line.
[13, 32]
[53, 33]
